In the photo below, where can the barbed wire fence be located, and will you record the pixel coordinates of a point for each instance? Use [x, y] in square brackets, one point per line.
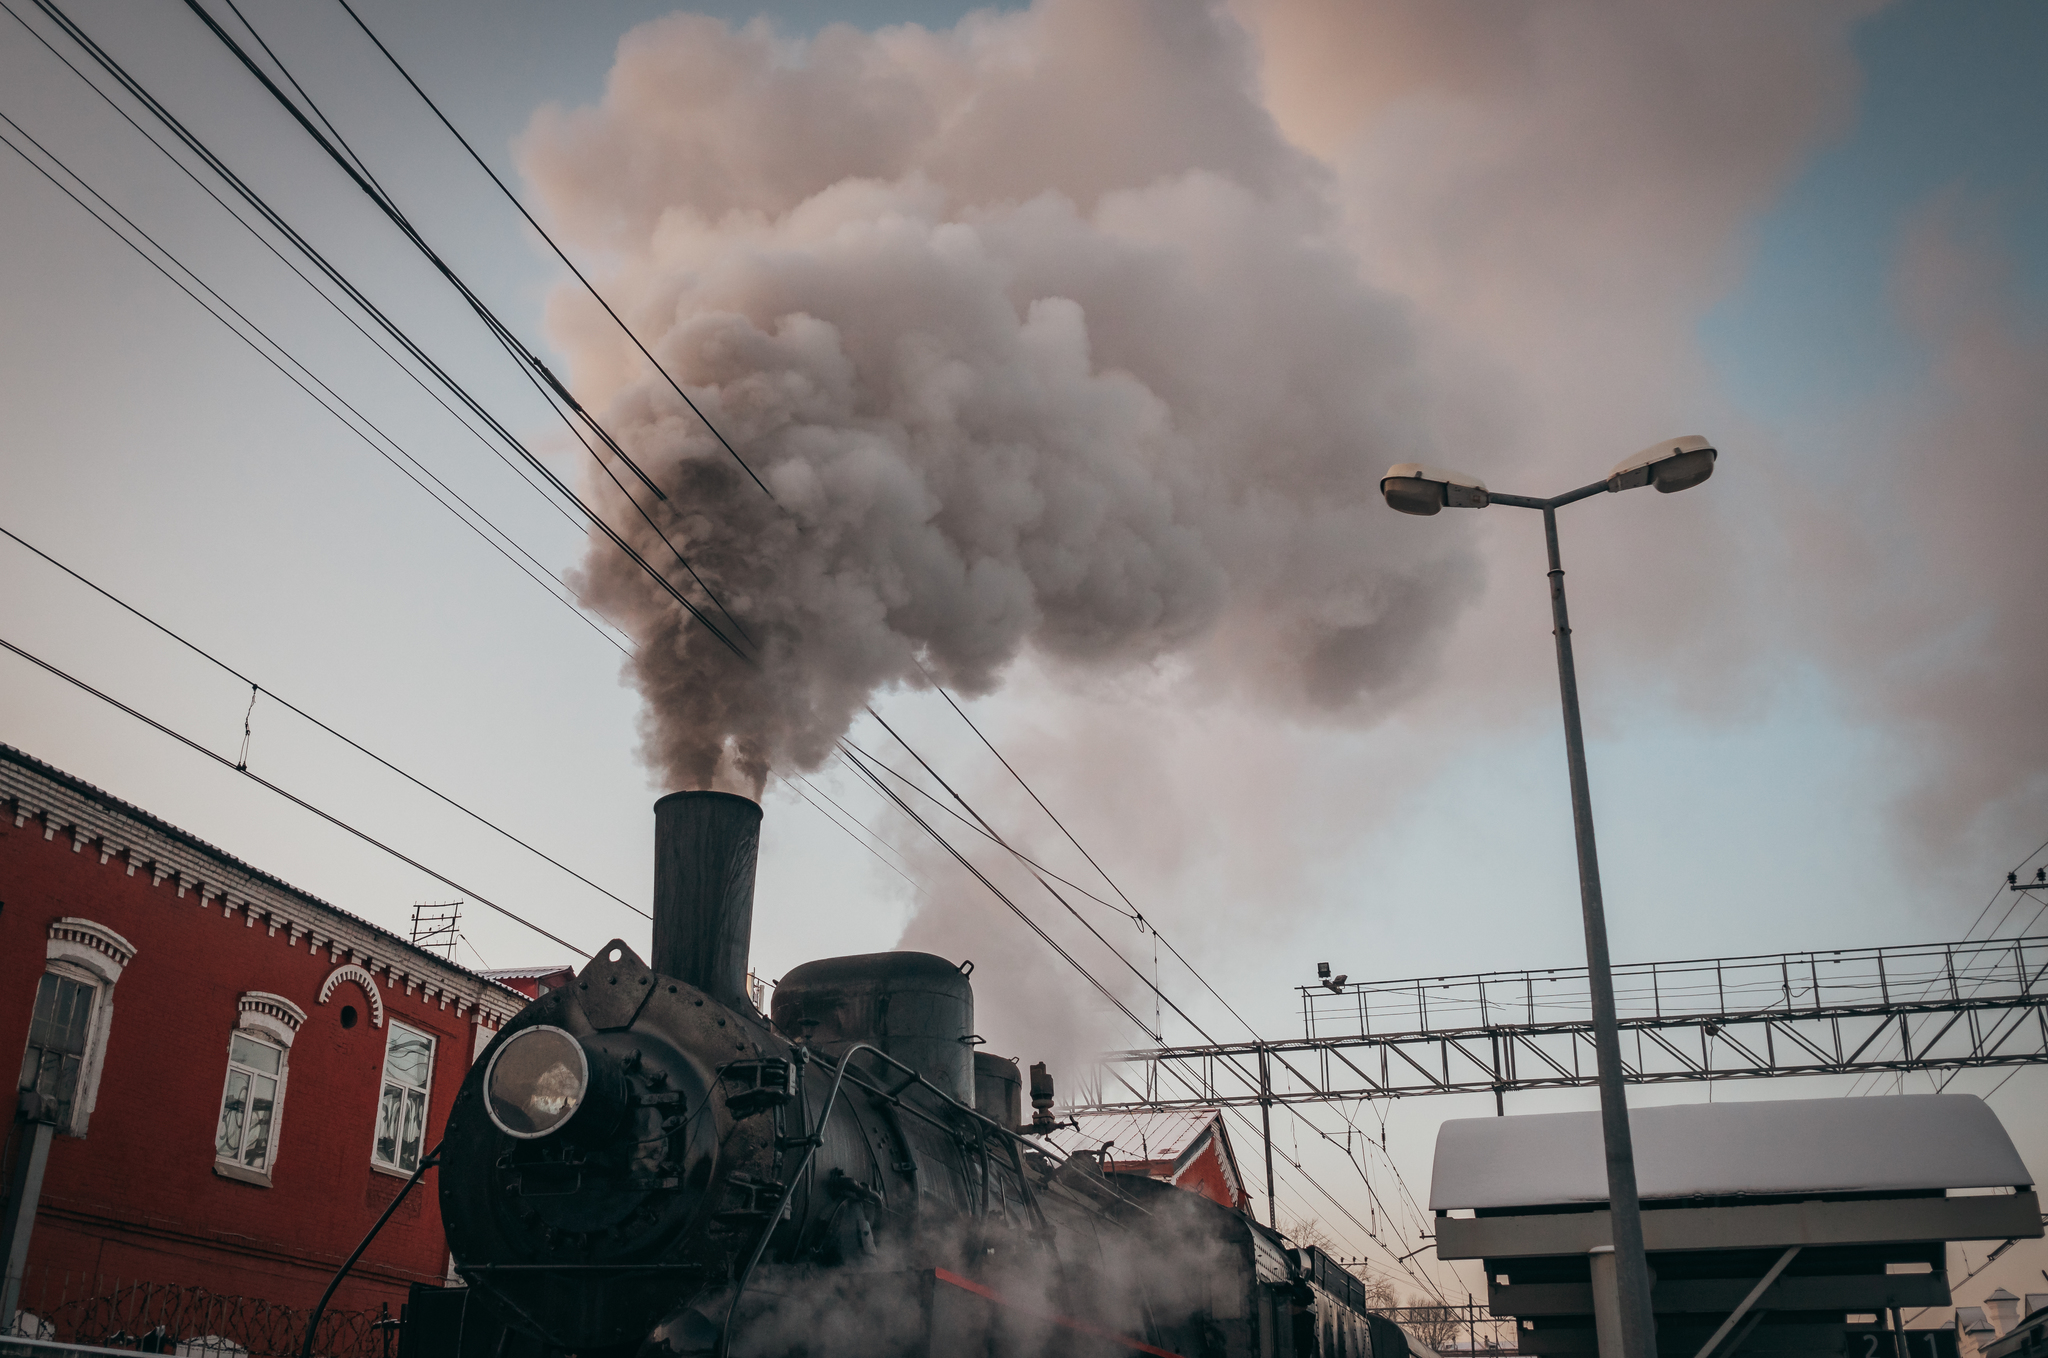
[152, 1317]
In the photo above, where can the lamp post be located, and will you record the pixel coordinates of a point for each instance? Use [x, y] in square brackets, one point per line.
[1674, 465]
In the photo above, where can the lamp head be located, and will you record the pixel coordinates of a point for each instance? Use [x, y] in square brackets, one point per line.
[1415, 489]
[1673, 465]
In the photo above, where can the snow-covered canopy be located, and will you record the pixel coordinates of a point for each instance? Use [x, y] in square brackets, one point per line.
[1885, 1144]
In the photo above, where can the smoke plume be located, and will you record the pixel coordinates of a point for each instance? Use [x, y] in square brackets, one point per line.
[1037, 333]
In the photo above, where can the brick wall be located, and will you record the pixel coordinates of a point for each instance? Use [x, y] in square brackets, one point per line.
[137, 1197]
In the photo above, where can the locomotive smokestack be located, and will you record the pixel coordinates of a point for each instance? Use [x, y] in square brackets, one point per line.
[704, 849]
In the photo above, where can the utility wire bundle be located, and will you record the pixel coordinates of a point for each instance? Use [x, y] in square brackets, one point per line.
[356, 306]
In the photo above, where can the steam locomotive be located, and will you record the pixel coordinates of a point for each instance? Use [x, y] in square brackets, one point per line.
[644, 1165]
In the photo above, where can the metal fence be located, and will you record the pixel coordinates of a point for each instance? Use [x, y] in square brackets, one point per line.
[130, 1313]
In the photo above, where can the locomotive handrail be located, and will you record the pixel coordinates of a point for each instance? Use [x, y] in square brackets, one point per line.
[918, 1079]
[432, 1158]
[842, 1071]
[788, 1191]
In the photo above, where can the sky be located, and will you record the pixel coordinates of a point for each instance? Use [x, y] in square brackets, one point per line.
[1073, 340]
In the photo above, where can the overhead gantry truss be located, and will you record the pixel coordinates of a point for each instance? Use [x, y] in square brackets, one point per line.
[1934, 1007]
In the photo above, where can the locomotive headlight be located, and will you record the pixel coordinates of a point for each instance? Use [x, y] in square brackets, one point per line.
[536, 1082]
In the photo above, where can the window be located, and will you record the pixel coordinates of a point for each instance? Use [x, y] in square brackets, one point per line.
[249, 1103]
[58, 1037]
[402, 1110]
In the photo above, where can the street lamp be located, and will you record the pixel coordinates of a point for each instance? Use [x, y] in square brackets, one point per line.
[1674, 465]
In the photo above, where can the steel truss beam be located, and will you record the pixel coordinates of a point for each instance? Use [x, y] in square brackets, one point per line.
[1944, 1006]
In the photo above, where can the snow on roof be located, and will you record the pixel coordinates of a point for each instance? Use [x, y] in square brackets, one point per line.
[1885, 1144]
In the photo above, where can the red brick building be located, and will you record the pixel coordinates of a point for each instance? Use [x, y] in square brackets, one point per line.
[241, 1075]
[1187, 1147]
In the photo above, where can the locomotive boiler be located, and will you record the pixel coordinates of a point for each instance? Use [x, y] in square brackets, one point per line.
[643, 1164]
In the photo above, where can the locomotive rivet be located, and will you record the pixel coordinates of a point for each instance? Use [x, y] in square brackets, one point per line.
[643, 980]
[614, 980]
[671, 990]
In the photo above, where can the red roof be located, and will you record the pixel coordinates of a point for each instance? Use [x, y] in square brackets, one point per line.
[1189, 1148]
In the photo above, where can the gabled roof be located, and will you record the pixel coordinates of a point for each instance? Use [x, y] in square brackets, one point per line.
[1894, 1143]
[1166, 1144]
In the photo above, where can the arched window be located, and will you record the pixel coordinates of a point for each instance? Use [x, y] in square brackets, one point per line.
[252, 1099]
[74, 1012]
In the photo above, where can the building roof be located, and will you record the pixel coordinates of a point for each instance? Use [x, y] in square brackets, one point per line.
[32, 789]
[1150, 1135]
[1188, 1147]
[1897, 1143]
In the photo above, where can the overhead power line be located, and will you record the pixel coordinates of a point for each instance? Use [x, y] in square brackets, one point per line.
[544, 379]
[494, 449]
[588, 286]
[326, 397]
[291, 797]
[1000, 895]
[289, 706]
[198, 147]
[537, 371]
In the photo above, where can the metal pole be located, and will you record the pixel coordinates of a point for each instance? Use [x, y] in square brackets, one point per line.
[1266, 1117]
[1632, 1270]
[24, 1193]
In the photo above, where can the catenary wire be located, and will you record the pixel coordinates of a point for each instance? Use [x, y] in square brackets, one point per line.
[791, 784]
[272, 359]
[1136, 914]
[407, 371]
[385, 204]
[990, 833]
[293, 798]
[349, 164]
[198, 147]
[277, 222]
[369, 188]
[1299, 1116]
[1134, 969]
[339, 310]
[289, 706]
[1011, 849]
[588, 286]
[1867, 1084]
[998, 893]
[529, 361]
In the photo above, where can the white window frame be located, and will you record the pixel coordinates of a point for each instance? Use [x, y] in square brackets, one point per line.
[384, 1079]
[89, 1059]
[91, 953]
[278, 1038]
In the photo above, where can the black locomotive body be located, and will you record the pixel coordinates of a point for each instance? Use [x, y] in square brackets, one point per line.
[642, 1164]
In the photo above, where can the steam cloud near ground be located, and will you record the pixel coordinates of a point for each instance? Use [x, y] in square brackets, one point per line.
[1038, 333]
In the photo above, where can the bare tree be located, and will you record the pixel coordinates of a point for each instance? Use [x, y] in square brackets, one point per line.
[1379, 1293]
[1435, 1324]
[1309, 1233]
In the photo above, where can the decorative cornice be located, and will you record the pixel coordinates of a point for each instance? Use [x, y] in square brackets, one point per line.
[70, 934]
[147, 848]
[273, 1014]
[349, 971]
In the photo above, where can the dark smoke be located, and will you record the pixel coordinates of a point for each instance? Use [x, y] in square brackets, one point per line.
[1013, 382]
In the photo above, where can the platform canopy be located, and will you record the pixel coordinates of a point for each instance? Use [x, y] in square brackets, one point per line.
[1881, 1144]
